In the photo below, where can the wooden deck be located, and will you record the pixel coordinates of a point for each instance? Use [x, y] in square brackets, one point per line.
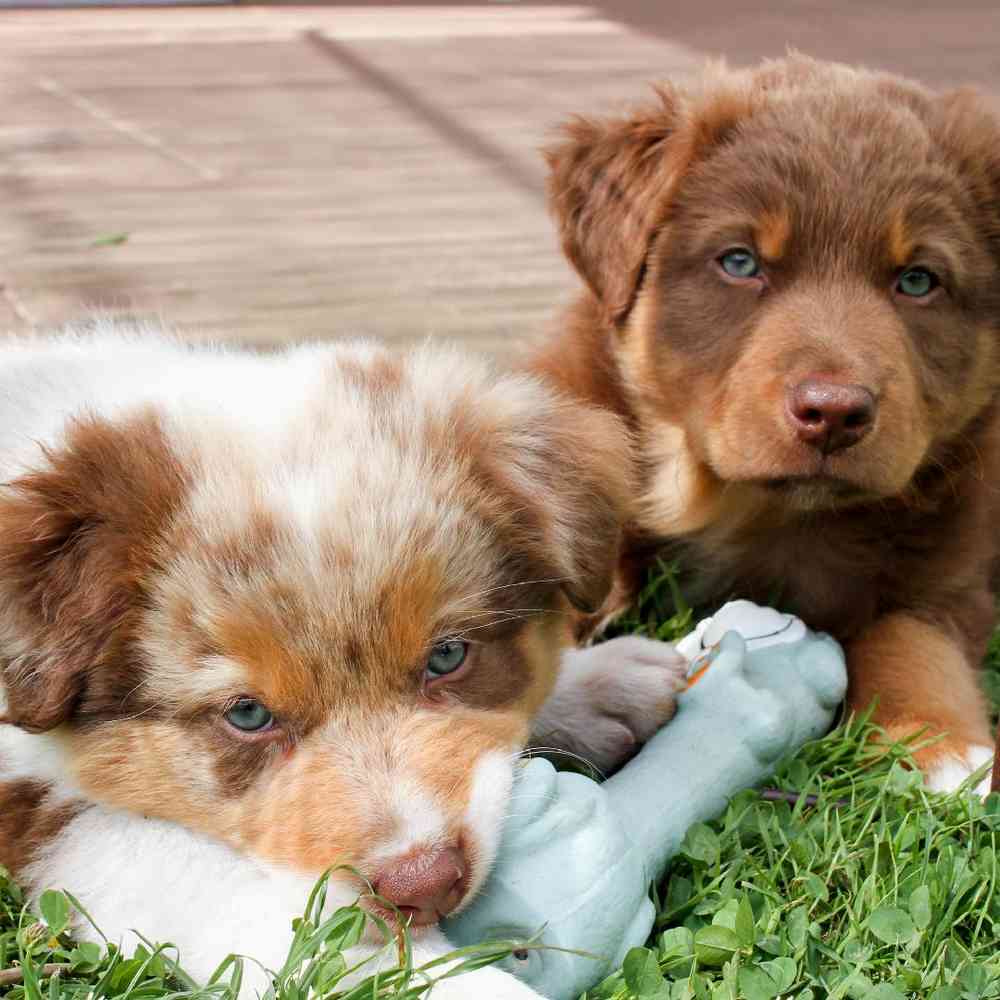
[275, 173]
[267, 173]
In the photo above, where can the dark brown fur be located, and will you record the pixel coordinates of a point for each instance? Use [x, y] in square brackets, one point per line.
[28, 821]
[79, 537]
[838, 180]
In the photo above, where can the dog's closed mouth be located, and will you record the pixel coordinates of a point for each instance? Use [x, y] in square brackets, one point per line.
[409, 916]
[413, 917]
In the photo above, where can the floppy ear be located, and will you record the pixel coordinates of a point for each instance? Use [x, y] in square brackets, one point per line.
[76, 536]
[590, 476]
[968, 127]
[611, 180]
[607, 181]
[564, 471]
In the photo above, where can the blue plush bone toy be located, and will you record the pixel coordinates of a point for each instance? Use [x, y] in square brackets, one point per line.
[577, 858]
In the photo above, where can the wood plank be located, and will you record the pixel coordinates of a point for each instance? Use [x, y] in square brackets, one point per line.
[297, 173]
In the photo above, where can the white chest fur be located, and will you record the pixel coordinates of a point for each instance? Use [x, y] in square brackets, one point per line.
[136, 874]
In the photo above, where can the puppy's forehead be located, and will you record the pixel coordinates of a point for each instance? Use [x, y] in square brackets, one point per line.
[327, 559]
[831, 175]
[306, 590]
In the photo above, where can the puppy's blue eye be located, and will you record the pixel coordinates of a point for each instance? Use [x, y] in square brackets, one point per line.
[739, 263]
[916, 282]
[446, 657]
[249, 716]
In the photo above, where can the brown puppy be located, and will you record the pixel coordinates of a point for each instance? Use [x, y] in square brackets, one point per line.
[793, 296]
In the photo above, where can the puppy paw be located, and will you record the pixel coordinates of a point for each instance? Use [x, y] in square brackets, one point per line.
[610, 698]
[948, 771]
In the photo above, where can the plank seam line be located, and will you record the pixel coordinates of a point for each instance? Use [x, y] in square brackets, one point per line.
[17, 307]
[454, 132]
[135, 132]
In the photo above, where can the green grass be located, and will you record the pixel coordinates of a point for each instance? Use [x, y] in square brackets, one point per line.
[882, 890]
[879, 890]
[47, 964]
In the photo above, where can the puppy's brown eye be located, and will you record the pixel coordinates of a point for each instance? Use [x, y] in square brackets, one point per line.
[739, 263]
[249, 716]
[446, 658]
[916, 282]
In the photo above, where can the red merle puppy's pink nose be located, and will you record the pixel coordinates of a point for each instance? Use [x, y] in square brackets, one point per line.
[830, 416]
[424, 885]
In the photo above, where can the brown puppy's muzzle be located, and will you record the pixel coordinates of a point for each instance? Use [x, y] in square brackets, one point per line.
[828, 415]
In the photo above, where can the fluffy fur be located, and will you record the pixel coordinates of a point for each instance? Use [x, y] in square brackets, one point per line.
[838, 181]
[184, 528]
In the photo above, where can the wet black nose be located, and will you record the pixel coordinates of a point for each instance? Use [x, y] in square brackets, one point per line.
[830, 416]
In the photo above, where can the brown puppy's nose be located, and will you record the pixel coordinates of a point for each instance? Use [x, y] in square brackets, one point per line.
[423, 885]
[830, 416]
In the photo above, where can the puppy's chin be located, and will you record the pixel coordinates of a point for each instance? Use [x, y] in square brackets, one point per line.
[801, 479]
[815, 493]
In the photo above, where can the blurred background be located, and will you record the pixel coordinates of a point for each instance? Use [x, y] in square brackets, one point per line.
[272, 172]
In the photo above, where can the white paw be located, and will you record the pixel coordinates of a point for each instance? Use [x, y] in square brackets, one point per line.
[952, 771]
[610, 698]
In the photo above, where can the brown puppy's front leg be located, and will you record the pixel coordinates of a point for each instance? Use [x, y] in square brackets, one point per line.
[923, 681]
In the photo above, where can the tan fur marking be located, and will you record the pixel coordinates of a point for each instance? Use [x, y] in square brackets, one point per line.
[773, 232]
[901, 243]
[542, 645]
[277, 672]
[405, 606]
[922, 681]
[682, 495]
[152, 768]
[445, 739]
[314, 815]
